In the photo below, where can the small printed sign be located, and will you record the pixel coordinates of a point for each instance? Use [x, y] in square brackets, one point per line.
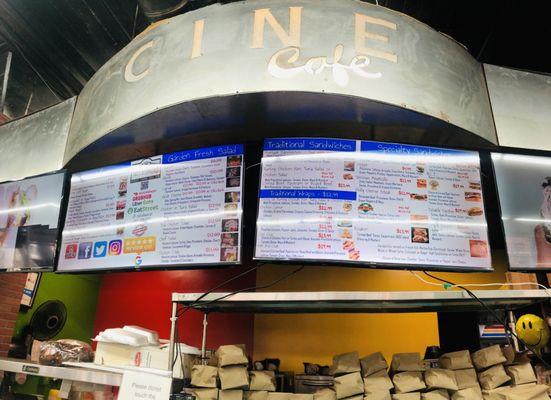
[139, 385]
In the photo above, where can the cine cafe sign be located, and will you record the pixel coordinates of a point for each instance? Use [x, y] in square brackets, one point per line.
[287, 62]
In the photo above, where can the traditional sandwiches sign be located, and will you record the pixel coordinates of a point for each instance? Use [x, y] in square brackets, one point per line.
[344, 47]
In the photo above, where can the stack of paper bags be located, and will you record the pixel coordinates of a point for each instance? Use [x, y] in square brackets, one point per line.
[348, 379]
[406, 370]
[377, 383]
[261, 384]
[204, 379]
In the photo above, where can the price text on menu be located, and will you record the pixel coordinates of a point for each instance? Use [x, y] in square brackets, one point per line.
[371, 202]
[180, 208]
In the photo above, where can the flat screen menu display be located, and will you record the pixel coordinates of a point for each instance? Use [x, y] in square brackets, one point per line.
[524, 188]
[29, 222]
[364, 202]
[177, 209]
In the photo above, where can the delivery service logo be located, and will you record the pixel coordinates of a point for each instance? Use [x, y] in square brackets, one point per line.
[100, 249]
[84, 250]
[115, 247]
[71, 251]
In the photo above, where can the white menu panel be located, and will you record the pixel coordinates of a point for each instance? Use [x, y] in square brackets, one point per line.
[178, 209]
[370, 202]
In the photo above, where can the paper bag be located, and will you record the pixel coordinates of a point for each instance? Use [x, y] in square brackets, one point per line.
[410, 381]
[403, 362]
[468, 394]
[373, 363]
[494, 394]
[406, 396]
[325, 394]
[231, 355]
[355, 397]
[279, 396]
[262, 380]
[255, 395]
[525, 392]
[488, 357]
[204, 376]
[493, 377]
[456, 360]
[378, 382]
[203, 394]
[466, 378]
[345, 363]
[232, 395]
[440, 379]
[233, 377]
[349, 385]
[521, 374]
[439, 394]
[378, 396]
[301, 396]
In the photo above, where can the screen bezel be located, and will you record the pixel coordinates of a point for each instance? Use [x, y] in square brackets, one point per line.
[368, 264]
[170, 267]
[60, 222]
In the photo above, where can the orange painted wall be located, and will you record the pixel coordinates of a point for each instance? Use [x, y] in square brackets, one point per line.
[317, 337]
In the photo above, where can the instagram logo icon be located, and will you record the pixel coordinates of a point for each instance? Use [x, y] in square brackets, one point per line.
[115, 247]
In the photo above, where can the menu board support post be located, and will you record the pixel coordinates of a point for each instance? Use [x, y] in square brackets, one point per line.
[173, 327]
[204, 340]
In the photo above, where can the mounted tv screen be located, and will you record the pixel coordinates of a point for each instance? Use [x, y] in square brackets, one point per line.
[29, 222]
[524, 189]
[371, 204]
[181, 209]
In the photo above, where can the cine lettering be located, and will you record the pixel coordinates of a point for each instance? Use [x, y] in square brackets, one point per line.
[289, 36]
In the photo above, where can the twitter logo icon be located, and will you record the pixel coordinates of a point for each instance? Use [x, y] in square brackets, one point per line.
[100, 249]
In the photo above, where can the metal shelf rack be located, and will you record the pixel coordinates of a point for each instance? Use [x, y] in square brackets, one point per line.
[75, 374]
[352, 302]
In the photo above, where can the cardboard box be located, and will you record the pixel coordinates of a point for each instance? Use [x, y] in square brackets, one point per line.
[156, 357]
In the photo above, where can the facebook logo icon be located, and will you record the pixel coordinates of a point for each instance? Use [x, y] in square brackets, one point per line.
[85, 250]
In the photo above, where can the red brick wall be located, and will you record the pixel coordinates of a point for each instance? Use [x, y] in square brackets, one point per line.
[11, 290]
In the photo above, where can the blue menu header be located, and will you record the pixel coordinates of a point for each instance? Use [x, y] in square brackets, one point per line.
[199, 154]
[407, 150]
[310, 144]
[306, 194]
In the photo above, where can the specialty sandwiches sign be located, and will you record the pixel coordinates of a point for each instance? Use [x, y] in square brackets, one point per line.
[335, 46]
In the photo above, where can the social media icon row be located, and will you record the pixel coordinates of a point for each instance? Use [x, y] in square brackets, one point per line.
[86, 250]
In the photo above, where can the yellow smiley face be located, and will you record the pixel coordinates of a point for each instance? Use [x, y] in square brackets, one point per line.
[533, 330]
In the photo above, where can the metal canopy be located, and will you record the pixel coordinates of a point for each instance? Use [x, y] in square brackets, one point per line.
[361, 302]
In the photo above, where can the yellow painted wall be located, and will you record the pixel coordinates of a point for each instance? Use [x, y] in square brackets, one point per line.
[317, 337]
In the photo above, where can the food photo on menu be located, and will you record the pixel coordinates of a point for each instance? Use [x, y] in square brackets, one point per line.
[171, 210]
[371, 202]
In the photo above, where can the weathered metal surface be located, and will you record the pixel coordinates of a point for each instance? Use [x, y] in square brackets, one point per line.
[337, 47]
[521, 103]
[35, 144]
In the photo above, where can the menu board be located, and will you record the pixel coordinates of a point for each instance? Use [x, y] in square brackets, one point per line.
[524, 188]
[29, 221]
[369, 202]
[177, 209]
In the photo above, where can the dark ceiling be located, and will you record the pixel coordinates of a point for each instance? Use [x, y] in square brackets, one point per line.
[59, 44]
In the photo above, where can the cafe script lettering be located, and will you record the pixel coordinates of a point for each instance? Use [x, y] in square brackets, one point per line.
[288, 61]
